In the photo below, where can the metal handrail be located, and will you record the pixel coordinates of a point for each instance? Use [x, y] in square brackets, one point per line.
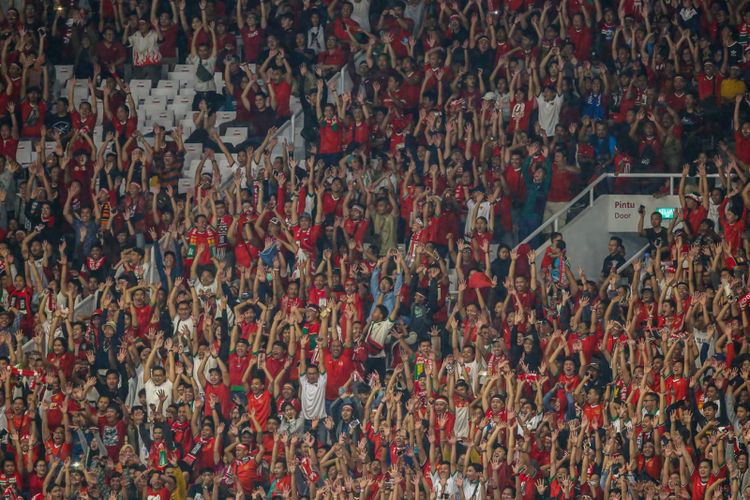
[589, 191]
[633, 258]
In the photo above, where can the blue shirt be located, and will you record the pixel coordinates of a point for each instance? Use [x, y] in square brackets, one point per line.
[389, 300]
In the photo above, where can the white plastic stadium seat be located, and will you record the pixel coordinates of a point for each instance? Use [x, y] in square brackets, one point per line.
[153, 101]
[164, 118]
[166, 92]
[187, 92]
[187, 127]
[182, 106]
[140, 84]
[166, 84]
[235, 135]
[63, 72]
[23, 152]
[224, 116]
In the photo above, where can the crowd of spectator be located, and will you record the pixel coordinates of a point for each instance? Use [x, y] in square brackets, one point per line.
[355, 313]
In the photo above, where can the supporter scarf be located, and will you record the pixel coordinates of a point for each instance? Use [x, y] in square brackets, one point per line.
[27, 374]
[106, 214]
[479, 280]
[195, 451]
[94, 264]
[10, 493]
[49, 221]
[416, 238]
[557, 271]
[195, 237]
[307, 469]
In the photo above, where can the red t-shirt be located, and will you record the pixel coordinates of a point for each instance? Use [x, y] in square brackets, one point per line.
[206, 458]
[520, 110]
[222, 394]
[582, 40]
[742, 145]
[113, 437]
[339, 370]
[237, 366]
[252, 43]
[66, 362]
[160, 494]
[247, 474]
[695, 217]
[54, 451]
[559, 189]
[8, 147]
[261, 403]
[283, 92]
[307, 238]
[709, 87]
[168, 45]
[677, 388]
[330, 136]
[32, 119]
[109, 55]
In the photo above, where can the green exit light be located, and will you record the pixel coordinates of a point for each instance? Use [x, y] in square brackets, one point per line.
[667, 213]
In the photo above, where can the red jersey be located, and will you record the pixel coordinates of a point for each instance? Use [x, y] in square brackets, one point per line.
[223, 396]
[283, 91]
[339, 370]
[247, 473]
[252, 43]
[330, 135]
[261, 404]
[307, 238]
[237, 366]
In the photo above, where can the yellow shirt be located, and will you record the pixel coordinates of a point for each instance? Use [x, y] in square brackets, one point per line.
[180, 492]
[731, 88]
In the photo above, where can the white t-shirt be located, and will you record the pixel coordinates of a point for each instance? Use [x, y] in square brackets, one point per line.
[209, 64]
[316, 39]
[205, 292]
[178, 324]
[313, 397]
[484, 211]
[145, 48]
[414, 11]
[361, 14]
[461, 425]
[449, 489]
[377, 335]
[473, 490]
[469, 373]
[549, 113]
[153, 399]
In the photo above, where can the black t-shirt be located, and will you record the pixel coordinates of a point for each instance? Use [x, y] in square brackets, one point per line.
[690, 121]
[612, 262]
[196, 492]
[261, 122]
[652, 235]
[736, 53]
[63, 124]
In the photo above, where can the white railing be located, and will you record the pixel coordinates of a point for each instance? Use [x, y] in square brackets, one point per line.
[553, 224]
[637, 255]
